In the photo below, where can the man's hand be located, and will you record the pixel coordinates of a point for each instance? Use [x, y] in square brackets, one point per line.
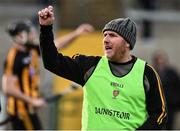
[38, 102]
[46, 16]
[84, 28]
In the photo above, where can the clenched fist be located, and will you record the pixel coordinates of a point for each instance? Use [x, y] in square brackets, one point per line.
[46, 16]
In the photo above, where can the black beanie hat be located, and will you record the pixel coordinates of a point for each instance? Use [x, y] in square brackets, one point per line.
[125, 27]
[17, 26]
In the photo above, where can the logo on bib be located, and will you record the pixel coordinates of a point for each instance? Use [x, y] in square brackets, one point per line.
[115, 93]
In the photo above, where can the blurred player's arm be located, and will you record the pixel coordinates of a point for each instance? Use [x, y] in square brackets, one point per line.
[10, 88]
[62, 42]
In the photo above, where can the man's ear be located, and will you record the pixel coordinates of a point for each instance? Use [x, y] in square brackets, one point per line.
[127, 45]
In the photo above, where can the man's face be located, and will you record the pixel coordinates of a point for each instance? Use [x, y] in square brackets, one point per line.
[115, 47]
[21, 37]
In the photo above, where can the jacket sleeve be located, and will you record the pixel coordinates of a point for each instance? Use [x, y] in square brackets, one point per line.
[54, 61]
[73, 68]
[155, 101]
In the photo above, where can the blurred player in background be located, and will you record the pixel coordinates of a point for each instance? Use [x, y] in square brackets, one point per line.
[21, 72]
[171, 84]
[20, 80]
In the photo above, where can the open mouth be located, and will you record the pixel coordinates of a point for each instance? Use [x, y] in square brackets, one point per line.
[108, 48]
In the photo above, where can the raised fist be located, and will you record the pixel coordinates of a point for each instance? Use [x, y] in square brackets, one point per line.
[46, 16]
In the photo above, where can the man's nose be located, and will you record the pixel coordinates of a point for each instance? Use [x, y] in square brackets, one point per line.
[106, 39]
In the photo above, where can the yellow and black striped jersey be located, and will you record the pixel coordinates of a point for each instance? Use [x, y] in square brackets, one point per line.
[25, 65]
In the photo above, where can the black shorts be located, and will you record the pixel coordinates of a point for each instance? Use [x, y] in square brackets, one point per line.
[28, 122]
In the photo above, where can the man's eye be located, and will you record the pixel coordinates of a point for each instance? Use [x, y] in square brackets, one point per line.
[112, 35]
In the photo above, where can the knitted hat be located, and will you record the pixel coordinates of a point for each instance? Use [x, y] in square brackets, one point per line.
[125, 27]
